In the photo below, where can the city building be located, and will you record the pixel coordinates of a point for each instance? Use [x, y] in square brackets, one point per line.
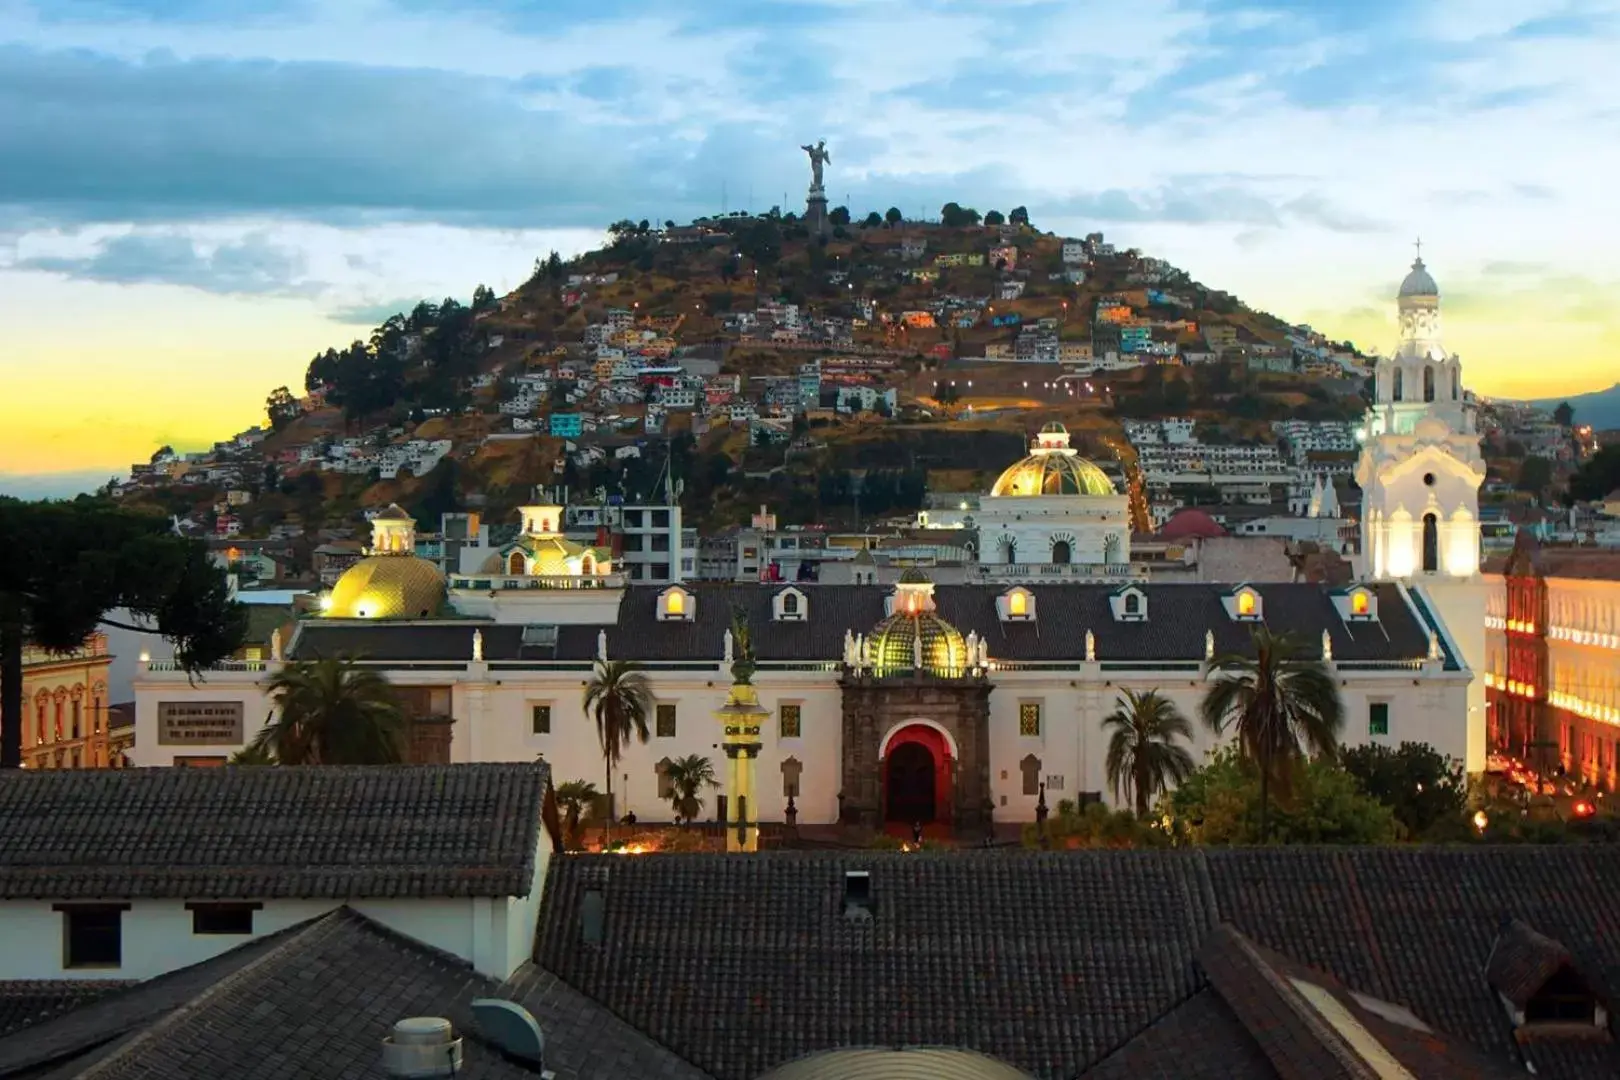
[65, 703]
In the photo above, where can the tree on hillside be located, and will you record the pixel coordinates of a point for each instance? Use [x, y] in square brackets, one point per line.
[483, 298]
[839, 215]
[761, 242]
[893, 216]
[1535, 473]
[282, 408]
[873, 220]
[1598, 478]
[69, 563]
[994, 217]
[554, 267]
[1564, 415]
[332, 712]
[619, 699]
[1145, 751]
[1018, 216]
[955, 216]
[1282, 704]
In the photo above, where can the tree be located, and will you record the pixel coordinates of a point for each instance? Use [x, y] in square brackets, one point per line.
[1535, 473]
[687, 777]
[619, 700]
[1144, 754]
[955, 216]
[69, 563]
[483, 298]
[1018, 216]
[332, 712]
[1598, 477]
[1218, 804]
[1423, 787]
[577, 798]
[554, 267]
[282, 408]
[994, 217]
[893, 216]
[1564, 415]
[873, 220]
[839, 215]
[253, 754]
[1277, 699]
[761, 242]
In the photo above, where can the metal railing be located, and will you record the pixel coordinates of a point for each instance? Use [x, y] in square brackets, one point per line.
[545, 581]
[223, 665]
[1061, 571]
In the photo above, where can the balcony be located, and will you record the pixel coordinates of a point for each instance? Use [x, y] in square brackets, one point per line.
[223, 665]
[1059, 572]
[496, 583]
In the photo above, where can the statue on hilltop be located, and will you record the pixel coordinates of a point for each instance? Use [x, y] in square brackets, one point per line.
[819, 156]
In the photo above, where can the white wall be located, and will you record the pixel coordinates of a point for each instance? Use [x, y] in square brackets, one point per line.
[151, 688]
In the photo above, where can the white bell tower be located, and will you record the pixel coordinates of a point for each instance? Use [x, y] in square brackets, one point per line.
[1421, 466]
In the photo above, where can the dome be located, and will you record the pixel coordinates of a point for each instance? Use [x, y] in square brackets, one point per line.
[944, 652]
[1418, 282]
[887, 1064]
[1190, 524]
[912, 575]
[388, 587]
[1053, 474]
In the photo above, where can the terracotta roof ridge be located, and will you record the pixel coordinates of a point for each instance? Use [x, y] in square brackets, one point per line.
[311, 930]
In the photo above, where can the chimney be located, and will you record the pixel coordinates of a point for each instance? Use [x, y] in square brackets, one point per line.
[421, 1046]
[858, 905]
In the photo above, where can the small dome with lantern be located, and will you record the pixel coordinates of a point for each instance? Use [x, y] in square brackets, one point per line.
[1418, 282]
[391, 582]
[1053, 468]
[915, 638]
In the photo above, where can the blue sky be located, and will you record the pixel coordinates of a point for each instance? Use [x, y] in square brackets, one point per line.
[269, 172]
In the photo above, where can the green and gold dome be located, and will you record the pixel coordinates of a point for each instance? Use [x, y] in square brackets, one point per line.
[1053, 468]
[915, 637]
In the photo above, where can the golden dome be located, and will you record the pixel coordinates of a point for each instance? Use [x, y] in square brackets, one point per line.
[1048, 473]
[388, 587]
[944, 652]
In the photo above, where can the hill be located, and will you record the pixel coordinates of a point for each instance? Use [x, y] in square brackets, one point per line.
[1599, 408]
[760, 363]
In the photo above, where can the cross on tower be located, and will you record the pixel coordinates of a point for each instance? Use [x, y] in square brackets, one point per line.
[1418, 243]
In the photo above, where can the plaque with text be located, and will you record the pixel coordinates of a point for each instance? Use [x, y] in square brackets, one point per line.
[199, 723]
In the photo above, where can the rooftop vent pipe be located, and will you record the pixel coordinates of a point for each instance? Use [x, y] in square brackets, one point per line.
[421, 1046]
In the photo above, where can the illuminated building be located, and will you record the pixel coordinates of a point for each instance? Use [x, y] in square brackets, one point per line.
[1053, 509]
[65, 707]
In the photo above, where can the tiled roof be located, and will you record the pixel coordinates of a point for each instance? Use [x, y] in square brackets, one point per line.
[317, 831]
[1178, 615]
[1058, 962]
[1522, 961]
[1200, 1039]
[29, 1001]
[317, 1000]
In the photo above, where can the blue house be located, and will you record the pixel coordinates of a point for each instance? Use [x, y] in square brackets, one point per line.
[566, 425]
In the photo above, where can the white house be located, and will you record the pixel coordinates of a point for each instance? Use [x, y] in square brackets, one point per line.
[160, 869]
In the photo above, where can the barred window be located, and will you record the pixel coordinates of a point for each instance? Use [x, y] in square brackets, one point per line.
[666, 722]
[788, 720]
[540, 717]
[1029, 718]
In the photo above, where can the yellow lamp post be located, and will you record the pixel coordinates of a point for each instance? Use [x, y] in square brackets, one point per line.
[742, 718]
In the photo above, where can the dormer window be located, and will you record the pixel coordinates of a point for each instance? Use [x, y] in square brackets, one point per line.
[790, 605]
[1541, 987]
[1243, 604]
[1016, 605]
[675, 604]
[1358, 604]
[1129, 605]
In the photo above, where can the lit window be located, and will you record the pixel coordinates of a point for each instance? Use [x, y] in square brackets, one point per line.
[1029, 719]
[1245, 603]
[1018, 604]
[677, 602]
[788, 718]
[665, 722]
[1359, 604]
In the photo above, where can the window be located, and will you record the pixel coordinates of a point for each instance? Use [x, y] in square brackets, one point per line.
[790, 603]
[1018, 603]
[1378, 718]
[92, 935]
[660, 519]
[1431, 543]
[78, 718]
[1133, 603]
[1359, 603]
[666, 722]
[1029, 718]
[221, 918]
[660, 542]
[788, 721]
[1245, 604]
[540, 719]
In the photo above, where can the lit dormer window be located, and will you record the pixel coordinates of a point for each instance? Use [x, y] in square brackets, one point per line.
[790, 605]
[1357, 604]
[1129, 605]
[1243, 604]
[1016, 605]
[675, 604]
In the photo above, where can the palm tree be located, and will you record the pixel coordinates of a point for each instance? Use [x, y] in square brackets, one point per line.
[687, 777]
[1144, 751]
[254, 754]
[331, 712]
[619, 699]
[577, 798]
[1277, 699]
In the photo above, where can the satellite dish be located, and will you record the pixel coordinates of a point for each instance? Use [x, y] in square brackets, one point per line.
[512, 1028]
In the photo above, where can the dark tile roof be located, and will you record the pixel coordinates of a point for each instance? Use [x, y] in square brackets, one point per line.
[1056, 962]
[1522, 961]
[28, 1001]
[317, 831]
[1178, 615]
[318, 999]
[739, 965]
[1199, 1039]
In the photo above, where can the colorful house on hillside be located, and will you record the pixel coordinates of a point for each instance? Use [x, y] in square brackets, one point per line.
[566, 425]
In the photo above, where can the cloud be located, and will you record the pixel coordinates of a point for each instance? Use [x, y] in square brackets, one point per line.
[372, 314]
[250, 267]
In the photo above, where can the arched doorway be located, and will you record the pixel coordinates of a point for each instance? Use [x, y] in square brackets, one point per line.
[514, 565]
[1009, 549]
[916, 775]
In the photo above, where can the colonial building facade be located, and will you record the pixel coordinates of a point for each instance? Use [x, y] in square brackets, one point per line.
[65, 707]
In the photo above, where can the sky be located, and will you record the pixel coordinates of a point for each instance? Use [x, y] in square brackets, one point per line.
[196, 196]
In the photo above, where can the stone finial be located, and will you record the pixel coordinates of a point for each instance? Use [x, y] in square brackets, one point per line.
[275, 644]
[601, 644]
[1434, 646]
[1091, 646]
[849, 648]
[1327, 646]
[973, 648]
[1209, 644]
[478, 646]
[730, 644]
[984, 652]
